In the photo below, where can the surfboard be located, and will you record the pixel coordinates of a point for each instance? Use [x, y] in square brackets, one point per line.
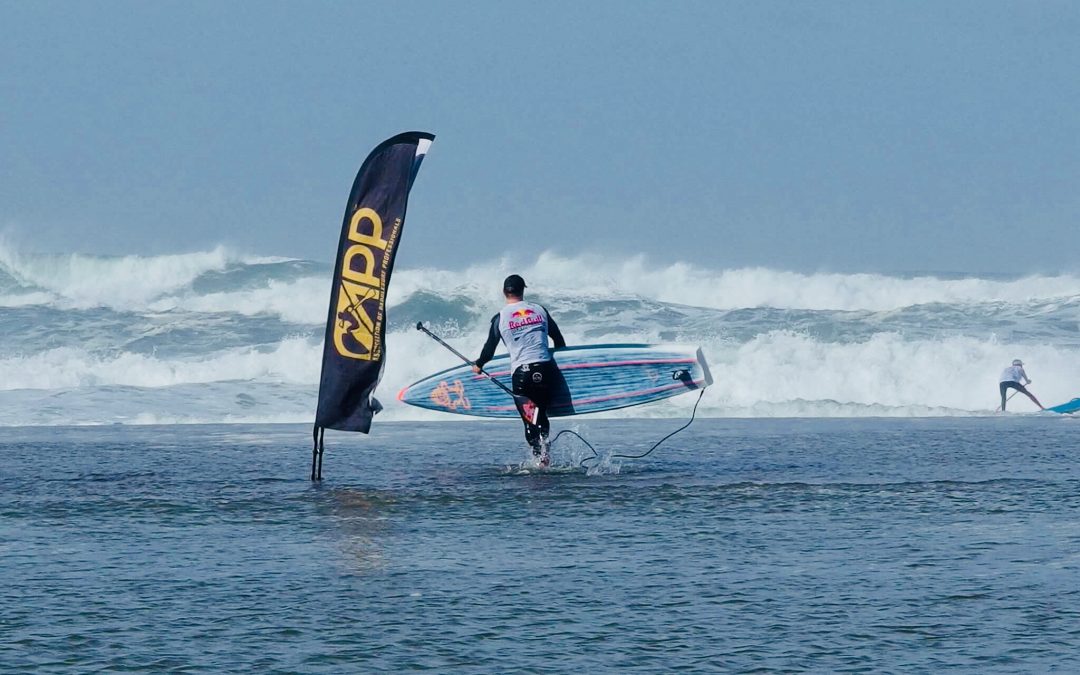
[594, 378]
[1066, 408]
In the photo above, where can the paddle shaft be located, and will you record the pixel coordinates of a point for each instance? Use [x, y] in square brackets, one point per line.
[421, 326]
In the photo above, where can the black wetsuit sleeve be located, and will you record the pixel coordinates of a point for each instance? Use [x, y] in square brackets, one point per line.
[492, 342]
[553, 331]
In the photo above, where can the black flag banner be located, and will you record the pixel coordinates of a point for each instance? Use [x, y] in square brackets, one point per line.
[354, 352]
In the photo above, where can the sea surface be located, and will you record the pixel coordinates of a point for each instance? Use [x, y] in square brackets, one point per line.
[946, 544]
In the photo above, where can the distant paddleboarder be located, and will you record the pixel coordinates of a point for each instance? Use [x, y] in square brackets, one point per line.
[524, 327]
[1011, 378]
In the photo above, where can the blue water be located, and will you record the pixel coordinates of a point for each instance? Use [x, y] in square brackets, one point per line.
[869, 545]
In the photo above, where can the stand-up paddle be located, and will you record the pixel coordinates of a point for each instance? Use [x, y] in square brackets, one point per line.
[526, 408]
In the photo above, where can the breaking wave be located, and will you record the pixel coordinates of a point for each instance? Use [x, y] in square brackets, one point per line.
[218, 337]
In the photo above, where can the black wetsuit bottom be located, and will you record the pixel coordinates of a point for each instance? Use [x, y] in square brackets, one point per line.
[1006, 386]
[536, 382]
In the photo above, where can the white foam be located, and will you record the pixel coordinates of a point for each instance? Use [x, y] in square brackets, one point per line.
[87, 281]
[683, 283]
[302, 301]
[886, 372]
[29, 299]
[293, 360]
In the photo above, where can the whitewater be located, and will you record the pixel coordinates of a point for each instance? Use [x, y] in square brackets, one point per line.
[220, 337]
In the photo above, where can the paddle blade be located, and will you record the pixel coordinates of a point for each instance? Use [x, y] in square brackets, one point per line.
[528, 410]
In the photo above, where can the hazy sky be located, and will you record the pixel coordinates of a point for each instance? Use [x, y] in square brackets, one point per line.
[848, 136]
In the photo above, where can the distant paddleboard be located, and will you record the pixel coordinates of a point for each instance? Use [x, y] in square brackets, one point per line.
[1066, 408]
[595, 378]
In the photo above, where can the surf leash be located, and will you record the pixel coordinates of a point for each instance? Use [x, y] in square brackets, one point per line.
[528, 410]
[596, 455]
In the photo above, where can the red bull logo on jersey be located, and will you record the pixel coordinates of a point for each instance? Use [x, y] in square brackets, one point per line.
[524, 317]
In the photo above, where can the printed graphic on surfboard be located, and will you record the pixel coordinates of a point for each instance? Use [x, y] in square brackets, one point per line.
[595, 378]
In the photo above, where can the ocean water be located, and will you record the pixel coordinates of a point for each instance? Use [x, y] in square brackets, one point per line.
[217, 337]
[945, 544]
[846, 500]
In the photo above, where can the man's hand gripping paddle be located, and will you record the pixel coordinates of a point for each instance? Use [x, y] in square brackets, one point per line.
[526, 408]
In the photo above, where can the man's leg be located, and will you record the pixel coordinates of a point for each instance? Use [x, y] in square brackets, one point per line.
[1031, 396]
[534, 381]
[1003, 387]
[533, 437]
[522, 380]
[542, 423]
[540, 390]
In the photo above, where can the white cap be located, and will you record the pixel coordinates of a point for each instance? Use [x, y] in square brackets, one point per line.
[1017, 362]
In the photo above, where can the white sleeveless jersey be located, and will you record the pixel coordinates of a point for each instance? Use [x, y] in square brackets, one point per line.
[524, 330]
[1013, 374]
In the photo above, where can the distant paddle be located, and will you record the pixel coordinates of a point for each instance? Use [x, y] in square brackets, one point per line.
[526, 408]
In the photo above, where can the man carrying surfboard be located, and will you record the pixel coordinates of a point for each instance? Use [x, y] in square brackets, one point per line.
[524, 327]
[1011, 378]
